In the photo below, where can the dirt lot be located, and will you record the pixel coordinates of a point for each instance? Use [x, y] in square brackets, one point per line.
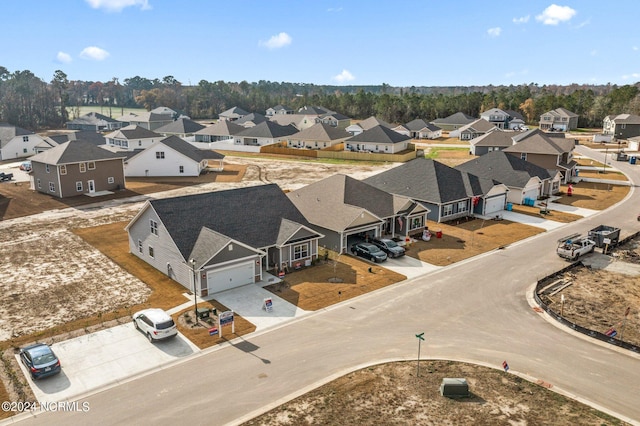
[393, 394]
[58, 262]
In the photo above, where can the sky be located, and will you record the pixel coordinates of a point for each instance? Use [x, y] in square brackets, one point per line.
[326, 42]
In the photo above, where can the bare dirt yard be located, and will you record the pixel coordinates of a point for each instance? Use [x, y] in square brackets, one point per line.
[394, 394]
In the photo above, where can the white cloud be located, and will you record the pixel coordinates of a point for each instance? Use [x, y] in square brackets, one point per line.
[555, 14]
[635, 75]
[94, 53]
[277, 41]
[593, 53]
[334, 9]
[344, 76]
[63, 57]
[521, 20]
[118, 5]
[634, 48]
[494, 32]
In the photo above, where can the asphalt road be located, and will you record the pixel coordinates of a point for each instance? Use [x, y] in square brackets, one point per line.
[474, 311]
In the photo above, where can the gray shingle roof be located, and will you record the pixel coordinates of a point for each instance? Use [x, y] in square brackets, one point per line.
[8, 132]
[379, 134]
[537, 142]
[480, 125]
[75, 151]
[626, 119]
[234, 112]
[428, 180]
[504, 168]
[254, 117]
[133, 131]
[459, 118]
[372, 122]
[267, 129]
[251, 215]
[321, 132]
[180, 126]
[221, 128]
[188, 150]
[500, 139]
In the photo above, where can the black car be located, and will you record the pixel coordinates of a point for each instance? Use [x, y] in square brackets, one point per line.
[369, 251]
[389, 246]
[40, 360]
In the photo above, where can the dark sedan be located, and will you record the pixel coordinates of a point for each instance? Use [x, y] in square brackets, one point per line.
[369, 251]
[389, 246]
[40, 360]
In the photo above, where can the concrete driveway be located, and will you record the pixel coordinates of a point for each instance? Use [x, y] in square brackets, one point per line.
[409, 266]
[106, 357]
[18, 175]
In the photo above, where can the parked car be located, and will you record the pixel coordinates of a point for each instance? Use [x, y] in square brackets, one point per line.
[155, 323]
[40, 360]
[389, 246]
[26, 166]
[369, 251]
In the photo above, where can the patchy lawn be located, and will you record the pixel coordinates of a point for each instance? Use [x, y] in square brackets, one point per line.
[555, 215]
[594, 195]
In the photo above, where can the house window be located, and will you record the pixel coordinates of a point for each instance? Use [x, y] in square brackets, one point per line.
[181, 169]
[139, 143]
[300, 251]
[91, 165]
[79, 186]
[447, 210]
[151, 254]
[25, 139]
[623, 126]
[523, 156]
[110, 179]
[154, 226]
[39, 184]
[416, 222]
[83, 167]
[46, 168]
[462, 206]
[140, 246]
[546, 118]
[52, 187]
[63, 170]
[159, 155]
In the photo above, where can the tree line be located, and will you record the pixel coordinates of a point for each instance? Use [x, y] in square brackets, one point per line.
[30, 102]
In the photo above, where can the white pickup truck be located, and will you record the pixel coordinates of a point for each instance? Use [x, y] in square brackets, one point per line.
[573, 246]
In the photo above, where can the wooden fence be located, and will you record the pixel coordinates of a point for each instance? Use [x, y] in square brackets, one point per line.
[335, 152]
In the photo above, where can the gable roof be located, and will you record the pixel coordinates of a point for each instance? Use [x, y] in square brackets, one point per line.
[379, 134]
[221, 128]
[457, 118]
[494, 111]
[314, 110]
[424, 179]
[535, 141]
[480, 125]
[372, 122]
[185, 148]
[625, 119]
[499, 139]
[133, 131]
[561, 112]
[180, 126]
[93, 118]
[338, 201]
[254, 117]
[234, 112]
[420, 124]
[514, 114]
[74, 151]
[230, 213]
[146, 117]
[505, 168]
[267, 129]
[335, 115]
[321, 132]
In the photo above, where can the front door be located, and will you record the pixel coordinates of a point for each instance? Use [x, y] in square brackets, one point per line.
[92, 186]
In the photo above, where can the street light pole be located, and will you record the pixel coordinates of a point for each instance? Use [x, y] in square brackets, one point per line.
[604, 166]
[192, 262]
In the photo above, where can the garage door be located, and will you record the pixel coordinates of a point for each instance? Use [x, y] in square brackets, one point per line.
[494, 204]
[231, 277]
[531, 193]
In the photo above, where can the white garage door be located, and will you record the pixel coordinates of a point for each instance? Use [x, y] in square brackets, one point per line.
[226, 278]
[531, 193]
[494, 204]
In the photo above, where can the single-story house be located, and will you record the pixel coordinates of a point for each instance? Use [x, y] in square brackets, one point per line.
[473, 130]
[182, 127]
[448, 193]
[77, 167]
[489, 142]
[148, 120]
[210, 242]
[318, 136]
[345, 209]
[524, 179]
[357, 128]
[221, 131]
[250, 120]
[419, 129]
[334, 119]
[454, 121]
[265, 133]
[232, 114]
[171, 156]
[278, 109]
[378, 139]
[299, 121]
